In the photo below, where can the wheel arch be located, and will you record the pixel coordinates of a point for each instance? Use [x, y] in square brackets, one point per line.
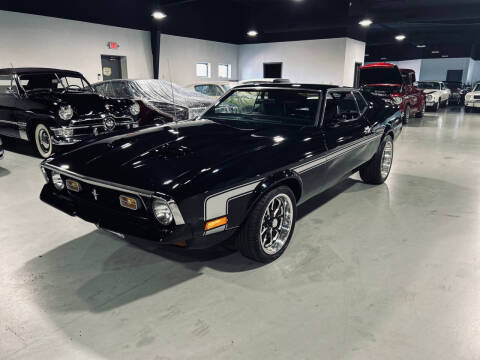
[33, 121]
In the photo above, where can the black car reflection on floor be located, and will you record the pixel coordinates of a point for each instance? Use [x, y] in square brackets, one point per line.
[52, 107]
[238, 172]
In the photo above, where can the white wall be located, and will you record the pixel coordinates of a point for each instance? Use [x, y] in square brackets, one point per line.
[474, 74]
[436, 69]
[183, 53]
[354, 53]
[39, 41]
[312, 61]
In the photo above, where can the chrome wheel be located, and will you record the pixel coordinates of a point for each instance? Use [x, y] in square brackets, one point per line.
[276, 224]
[387, 159]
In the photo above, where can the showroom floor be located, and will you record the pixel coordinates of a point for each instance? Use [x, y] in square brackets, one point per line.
[387, 272]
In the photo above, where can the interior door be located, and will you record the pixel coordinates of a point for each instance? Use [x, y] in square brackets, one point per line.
[345, 127]
[272, 70]
[455, 75]
[111, 67]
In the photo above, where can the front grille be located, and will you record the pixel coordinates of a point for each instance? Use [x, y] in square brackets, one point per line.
[477, 97]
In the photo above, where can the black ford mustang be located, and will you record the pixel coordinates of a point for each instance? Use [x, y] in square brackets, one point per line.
[240, 170]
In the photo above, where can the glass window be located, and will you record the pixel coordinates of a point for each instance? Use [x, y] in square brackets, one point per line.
[225, 71]
[286, 107]
[477, 87]
[341, 106]
[362, 103]
[209, 90]
[429, 85]
[203, 70]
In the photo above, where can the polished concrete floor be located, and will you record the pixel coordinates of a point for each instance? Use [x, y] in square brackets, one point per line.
[373, 272]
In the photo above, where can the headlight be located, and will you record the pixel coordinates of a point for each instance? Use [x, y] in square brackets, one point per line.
[135, 109]
[57, 181]
[468, 97]
[162, 212]
[430, 97]
[65, 112]
[397, 100]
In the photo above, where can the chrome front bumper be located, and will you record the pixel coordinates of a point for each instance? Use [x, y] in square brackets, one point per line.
[472, 103]
[79, 130]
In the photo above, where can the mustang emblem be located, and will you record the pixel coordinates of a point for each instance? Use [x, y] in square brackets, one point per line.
[95, 194]
[367, 130]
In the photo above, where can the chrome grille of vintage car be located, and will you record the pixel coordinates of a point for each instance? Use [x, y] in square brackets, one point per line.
[476, 97]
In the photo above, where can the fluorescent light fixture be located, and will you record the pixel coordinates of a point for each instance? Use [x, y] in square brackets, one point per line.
[158, 15]
[252, 33]
[400, 37]
[366, 55]
[435, 52]
[444, 56]
[421, 46]
[366, 22]
[383, 58]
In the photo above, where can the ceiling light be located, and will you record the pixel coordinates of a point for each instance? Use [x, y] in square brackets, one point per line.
[445, 56]
[421, 46]
[367, 55]
[366, 22]
[252, 33]
[384, 58]
[400, 37]
[435, 52]
[158, 15]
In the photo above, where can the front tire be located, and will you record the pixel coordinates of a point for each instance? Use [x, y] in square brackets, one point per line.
[421, 113]
[376, 171]
[269, 227]
[436, 107]
[43, 141]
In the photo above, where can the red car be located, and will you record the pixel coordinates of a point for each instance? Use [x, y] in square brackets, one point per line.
[396, 86]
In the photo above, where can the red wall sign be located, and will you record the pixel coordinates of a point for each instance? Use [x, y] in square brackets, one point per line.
[113, 45]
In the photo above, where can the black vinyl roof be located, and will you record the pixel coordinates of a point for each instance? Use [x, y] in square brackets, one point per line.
[33, 70]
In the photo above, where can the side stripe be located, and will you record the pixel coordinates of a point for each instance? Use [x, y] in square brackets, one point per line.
[327, 158]
[216, 205]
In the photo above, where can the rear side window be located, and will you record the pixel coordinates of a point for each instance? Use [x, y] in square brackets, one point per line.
[341, 106]
[362, 103]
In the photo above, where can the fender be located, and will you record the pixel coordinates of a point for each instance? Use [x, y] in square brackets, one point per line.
[287, 177]
[32, 121]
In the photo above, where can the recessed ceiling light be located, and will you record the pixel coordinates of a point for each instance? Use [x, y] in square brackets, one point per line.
[366, 22]
[252, 33]
[400, 37]
[384, 58]
[367, 54]
[421, 46]
[444, 55]
[158, 15]
[435, 52]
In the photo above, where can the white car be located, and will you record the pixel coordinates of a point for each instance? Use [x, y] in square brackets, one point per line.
[213, 89]
[437, 93]
[472, 99]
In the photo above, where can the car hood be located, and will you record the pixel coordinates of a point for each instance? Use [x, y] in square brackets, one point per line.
[81, 102]
[155, 158]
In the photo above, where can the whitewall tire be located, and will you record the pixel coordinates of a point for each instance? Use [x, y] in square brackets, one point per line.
[43, 141]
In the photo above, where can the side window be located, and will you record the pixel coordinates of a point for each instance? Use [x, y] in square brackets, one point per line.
[362, 103]
[340, 106]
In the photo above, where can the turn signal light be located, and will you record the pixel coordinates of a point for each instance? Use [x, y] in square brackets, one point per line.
[216, 223]
[73, 185]
[128, 202]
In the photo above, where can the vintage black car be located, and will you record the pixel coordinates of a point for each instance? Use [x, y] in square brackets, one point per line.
[240, 170]
[51, 107]
[1, 149]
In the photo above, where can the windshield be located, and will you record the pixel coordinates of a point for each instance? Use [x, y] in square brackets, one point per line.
[477, 87]
[54, 82]
[428, 85]
[454, 85]
[287, 107]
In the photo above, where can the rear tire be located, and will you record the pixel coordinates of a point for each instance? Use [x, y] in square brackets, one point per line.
[43, 140]
[406, 116]
[377, 170]
[269, 227]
